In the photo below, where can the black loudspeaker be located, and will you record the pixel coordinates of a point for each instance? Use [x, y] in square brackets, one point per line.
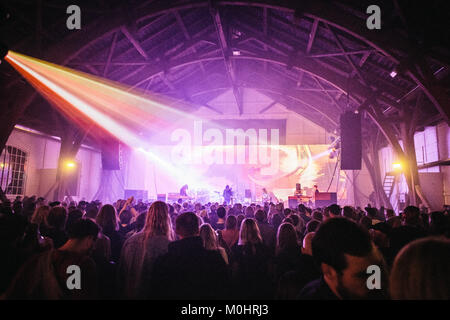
[325, 199]
[351, 145]
[110, 155]
[248, 193]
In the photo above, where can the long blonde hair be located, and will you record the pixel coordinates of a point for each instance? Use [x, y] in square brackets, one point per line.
[107, 219]
[420, 271]
[209, 237]
[249, 233]
[157, 222]
[286, 237]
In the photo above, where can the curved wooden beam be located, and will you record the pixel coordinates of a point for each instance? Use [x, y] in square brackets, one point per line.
[388, 44]
[274, 91]
[302, 63]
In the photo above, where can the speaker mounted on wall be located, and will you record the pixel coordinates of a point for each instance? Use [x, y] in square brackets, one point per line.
[351, 144]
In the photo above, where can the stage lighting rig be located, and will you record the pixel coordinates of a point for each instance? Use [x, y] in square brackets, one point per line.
[397, 166]
[70, 164]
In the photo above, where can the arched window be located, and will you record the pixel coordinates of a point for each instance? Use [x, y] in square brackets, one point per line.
[12, 170]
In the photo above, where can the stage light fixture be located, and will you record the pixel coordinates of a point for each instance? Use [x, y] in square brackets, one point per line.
[332, 153]
[397, 166]
[70, 164]
[399, 69]
[393, 73]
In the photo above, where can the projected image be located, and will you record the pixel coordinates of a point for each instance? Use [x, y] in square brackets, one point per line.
[249, 156]
[308, 165]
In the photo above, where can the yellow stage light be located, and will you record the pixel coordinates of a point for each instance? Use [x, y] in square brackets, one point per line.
[397, 166]
[70, 164]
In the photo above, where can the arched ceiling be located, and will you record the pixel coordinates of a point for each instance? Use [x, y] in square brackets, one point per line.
[317, 58]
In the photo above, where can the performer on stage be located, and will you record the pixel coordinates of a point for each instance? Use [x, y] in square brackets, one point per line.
[183, 190]
[227, 194]
[316, 192]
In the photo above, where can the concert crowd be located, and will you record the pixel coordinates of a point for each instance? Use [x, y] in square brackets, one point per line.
[187, 250]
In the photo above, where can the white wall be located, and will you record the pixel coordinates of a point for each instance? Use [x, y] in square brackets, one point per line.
[299, 130]
[42, 160]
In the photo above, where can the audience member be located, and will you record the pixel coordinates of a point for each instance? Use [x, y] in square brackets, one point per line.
[188, 270]
[288, 251]
[334, 210]
[268, 233]
[251, 264]
[220, 223]
[343, 250]
[219, 251]
[231, 233]
[107, 220]
[420, 271]
[210, 241]
[312, 226]
[72, 217]
[56, 221]
[45, 276]
[140, 251]
[409, 231]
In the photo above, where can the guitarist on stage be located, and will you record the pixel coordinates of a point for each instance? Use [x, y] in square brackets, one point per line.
[227, 194]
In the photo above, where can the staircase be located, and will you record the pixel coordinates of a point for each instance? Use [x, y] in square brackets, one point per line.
[388, 184]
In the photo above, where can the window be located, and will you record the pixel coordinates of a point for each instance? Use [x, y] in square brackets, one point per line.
[426, 148]
[12, 171]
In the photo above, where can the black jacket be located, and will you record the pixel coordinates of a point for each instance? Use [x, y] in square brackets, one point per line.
[317, 290]
[252, 276]
[189, 271]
